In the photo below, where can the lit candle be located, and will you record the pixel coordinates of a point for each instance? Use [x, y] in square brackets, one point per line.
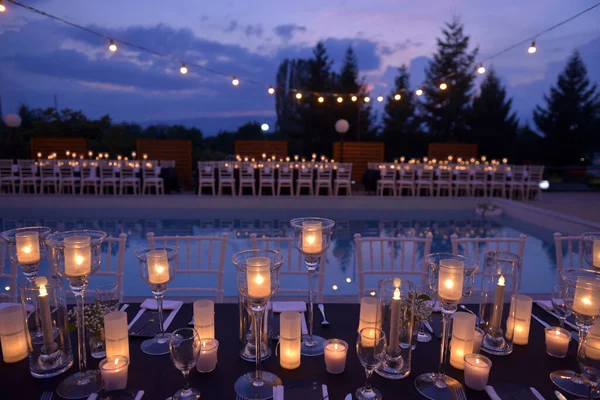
[477, 371]
[463, 330]
[114, 372]
[519, 320]
[477, 340]
[12, 334]
[290, 339]
[312, 237]
[28, 247]
[369, 315]
[450, 279]
[557, 341]
[395, 318]
[498, 305]
[158, 267]
[591, 346]
[45, 314]
[207, 360]
[335, 355]
[204, 318]
[258, 276]
[586, 300]
[78, 256]
[116, 334]
[596, 253]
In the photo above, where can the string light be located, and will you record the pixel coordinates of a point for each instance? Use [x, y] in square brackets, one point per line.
[2, 7]
[353, 98]
[481, 69]
[112, 46]
[532, 48]
[299, 96]
[183, 69]
[397, 96]
[443, 86]
[271, 90]
[367, 99]
[235, 81]
[340, 99]
[419, 92]
[380, 98]
[321, 99]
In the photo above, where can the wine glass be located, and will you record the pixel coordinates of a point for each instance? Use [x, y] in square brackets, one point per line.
[27, 249]
[559, 305]
[589, 362]
[107, 294]
[184, 347]
[371, 347]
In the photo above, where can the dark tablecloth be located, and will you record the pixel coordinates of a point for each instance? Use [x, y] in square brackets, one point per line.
[157, 376]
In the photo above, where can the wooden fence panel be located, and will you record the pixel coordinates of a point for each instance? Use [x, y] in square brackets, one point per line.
[441, 151]
[359, 154]
[170, 149]
[47, 146]
[255, 148]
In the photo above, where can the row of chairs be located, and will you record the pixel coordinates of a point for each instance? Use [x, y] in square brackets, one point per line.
[266, 178]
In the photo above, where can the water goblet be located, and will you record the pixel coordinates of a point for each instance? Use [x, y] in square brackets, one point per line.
[108, 295]
[313, 237]
[27, 248]
[559, 305]
[371, 348]
[184, 347]
[157, 268]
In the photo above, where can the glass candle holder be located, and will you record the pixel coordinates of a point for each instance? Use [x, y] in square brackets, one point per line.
[370, 314]
[592, 248]
[519, 319]
[557, 341]
[27, 248]
[114, 372]
[290, 339]
[477, 371]
[207, 359]
[478, 340]
[336, 351]
[116, 334]
[204, 318]
[463, 331]
[13, 337]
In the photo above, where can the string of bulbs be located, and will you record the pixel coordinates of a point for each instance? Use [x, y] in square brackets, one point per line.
[440, 83]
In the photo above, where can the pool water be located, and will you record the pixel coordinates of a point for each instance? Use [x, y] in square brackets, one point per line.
[539, 262]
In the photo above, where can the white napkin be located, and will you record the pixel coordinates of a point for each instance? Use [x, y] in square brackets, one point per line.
[492, 393]
[139, 395]
[150, 304]
[281, 306]
[93, 396]
[547, 306]
[537, 394]
[278, 392]
[325, 393]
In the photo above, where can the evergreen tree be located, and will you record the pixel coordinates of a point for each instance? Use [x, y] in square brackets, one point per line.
[492, 123]
[445, 110]
[571, 113]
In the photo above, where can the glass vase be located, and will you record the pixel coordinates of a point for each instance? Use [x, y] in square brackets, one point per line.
[97, 343]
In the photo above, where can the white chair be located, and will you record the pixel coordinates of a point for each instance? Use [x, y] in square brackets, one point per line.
[152, 180]
[425, 181]
[391, 256]
[406, 181]
[206, 177]
[462, 183]
[226, 178]
[108, 178]
[324, 177]
[387, 180]
[129, 180]
[343, 179]
[247, 178]
[167, 163]
[293, 264]
[107, 268]
[444, 182]
[536, 173]
[192, 262]
[516, 184]
[498, 183]
[89, 179]
[479, 183]
[574, 248]
[48, 178]
[66, 179]
[305, 180]
[7, 178]
[285, 179]
[266, 178]
[27, 176]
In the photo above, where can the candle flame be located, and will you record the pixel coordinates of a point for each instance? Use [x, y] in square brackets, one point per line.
[557, 332]
[501, 280]
[78, 259]
[449, 283]
[397, 294]
[26, 249]
[477, 361]
[310, 239]
[335, 347]
[259, 279]
[43, 291]
[587, 301]
[116, 361]
[160, 269]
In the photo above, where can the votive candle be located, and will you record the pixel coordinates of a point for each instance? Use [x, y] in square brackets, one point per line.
[78, 255]
[290, 339]
[114, 372]
[336, 351]
[477, 371]
[116, 334]
[450, 279]
[158, 267]
[557, 341]
[477, 339]
[12, 334]
[463, 330]
[591, 346]
[28, 247]
[258, 276]
[312, 237]
[204, 318]
[207, 360]
[586, 300]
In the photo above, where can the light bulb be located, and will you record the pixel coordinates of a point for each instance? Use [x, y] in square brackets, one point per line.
[2, 7]
[419, 92]
[298, 96]
[340, 99]
[380, 98]
[271, 90]
[481, 69]
[367, 99]
[183, 69]
[321, 99]
[532, 48]
[354, 98]
[397, 97]
[443, 86]
[235, 81]
[112, 46]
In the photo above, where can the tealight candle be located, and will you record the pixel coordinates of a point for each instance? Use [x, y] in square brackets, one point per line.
[450, 279]
[336, 351]
[519, 320]
[78, 256]
[477, 371]
[557, 341]
[290, 339]
[463, 330]
[258, 276]
[207, 360]
[158, 267]
[116, 334]
[12, 333]
[28, 247]
[477, 339]
[586, 300]
[204, 318]
[114, 372]
[312, 237]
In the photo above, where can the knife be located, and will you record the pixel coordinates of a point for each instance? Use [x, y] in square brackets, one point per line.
[537, 394]
[574, 334]
[559, 395]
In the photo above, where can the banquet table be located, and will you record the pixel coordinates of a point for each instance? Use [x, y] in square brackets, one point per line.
[528, 365]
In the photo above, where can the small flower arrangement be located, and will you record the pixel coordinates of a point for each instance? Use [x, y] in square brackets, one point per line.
[423, 307]
[93, 316]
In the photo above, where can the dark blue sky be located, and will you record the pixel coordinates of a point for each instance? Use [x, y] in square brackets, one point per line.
[40, 58]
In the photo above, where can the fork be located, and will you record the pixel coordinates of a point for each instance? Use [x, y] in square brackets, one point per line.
[460, 393]
[47, 396]
[322, 309]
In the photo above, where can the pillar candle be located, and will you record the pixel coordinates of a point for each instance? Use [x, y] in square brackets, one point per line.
[336, 351]
[158, 267]
[290, 339]
[519, 320]
[395, 320]
[45, 314]
[312, 237]
[369, 315]
[463, 331]
[596, 253]
[587, 299]
[557, 341]
[28, 247]
[450, 279]
[116, 334]
[477, 371]
[498, 305]
[204, 318]
[12, 334]
[78, 256]
[207, 359]
[114, 372]
[258, 276]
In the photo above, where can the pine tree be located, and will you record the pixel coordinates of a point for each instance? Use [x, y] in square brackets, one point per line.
[492, 123]
[401, 124]
[572, 110]
[445, 110]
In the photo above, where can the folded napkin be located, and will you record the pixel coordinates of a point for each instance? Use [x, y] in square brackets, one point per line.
[325, 393]
[138, 395]
[547, 306]
[278, 392]
[150, 304]
[513, 391]
[492, 393]
[281, 306]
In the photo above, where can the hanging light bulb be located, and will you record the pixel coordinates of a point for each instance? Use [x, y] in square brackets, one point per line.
[2, 7]
[321, 99]
[112, 46]
[235, 81]
[367, 99]
[340, 99]
[353, 98]
[380, 98]
[419, 92]
[183, 69]
[443, 86]
[299, 96]
[532, 49]
[271, 90]
[397, 96]
[481, 69]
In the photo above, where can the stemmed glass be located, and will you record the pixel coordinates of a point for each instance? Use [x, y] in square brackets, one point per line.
[185, 350]
[157, 268]
[108, 295]
[589, 362]
[582, 297]
[257, 280]
[27, 249]
[76, 255]
[559, 305]
[371, 348]
[451, 279]
[591, 241]
[313, 237]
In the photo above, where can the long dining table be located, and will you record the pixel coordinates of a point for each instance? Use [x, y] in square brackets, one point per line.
[527, 366]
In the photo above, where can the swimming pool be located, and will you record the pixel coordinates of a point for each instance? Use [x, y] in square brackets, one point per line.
[539, 262]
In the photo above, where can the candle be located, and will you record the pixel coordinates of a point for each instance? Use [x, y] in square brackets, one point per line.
[557, 341]
[477, 371]
[336, 351]
[114, 372]
[586, 301]
[12, 333]
[207, 360]
[258, 276]
[450, 279]
[498, 305]
[290, 339]
[78, 255]
[596, 253]
[28, 247]
[312, 237]
[477, 340]
[369, 315]
[204, 318]
[463, 330]
[116, 334]
[591, 347]
[45, 314]
[395, 318]
[158, 267]
[519, 320]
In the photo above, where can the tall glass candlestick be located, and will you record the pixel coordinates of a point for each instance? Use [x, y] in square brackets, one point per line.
[27, 249]
[313, 237]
